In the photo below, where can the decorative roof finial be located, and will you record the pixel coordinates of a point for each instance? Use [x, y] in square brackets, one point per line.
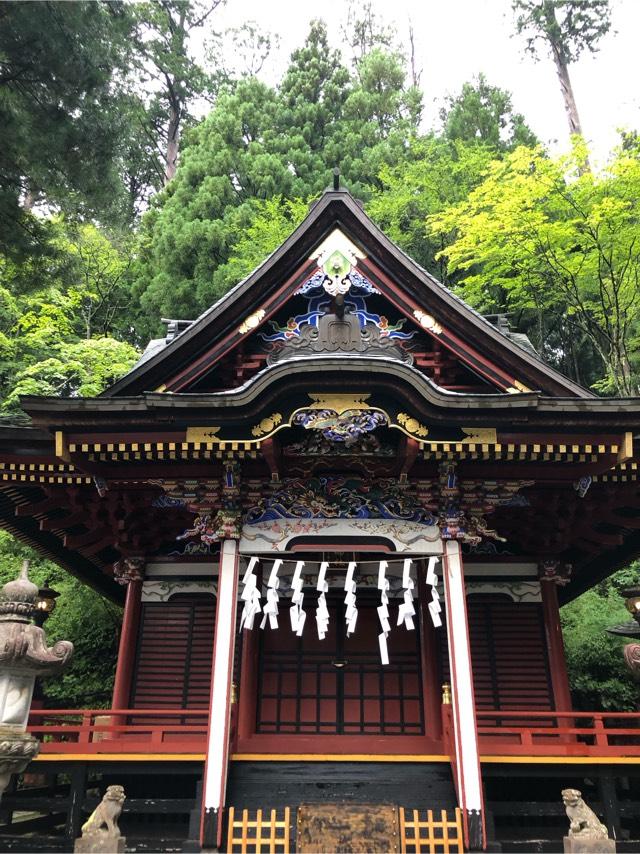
[336, 178]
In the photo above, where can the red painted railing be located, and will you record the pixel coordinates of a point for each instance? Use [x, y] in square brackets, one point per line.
[559, 733]
[172, 731]
[98, 731]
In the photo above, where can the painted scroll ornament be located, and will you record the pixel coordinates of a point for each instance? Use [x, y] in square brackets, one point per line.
[209, 529]
[345, 427]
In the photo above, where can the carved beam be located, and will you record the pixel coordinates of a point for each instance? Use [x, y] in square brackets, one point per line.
[77, 541]
[64, 522]
[28, 510]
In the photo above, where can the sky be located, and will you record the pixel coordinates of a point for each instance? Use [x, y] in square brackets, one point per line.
[456, 39]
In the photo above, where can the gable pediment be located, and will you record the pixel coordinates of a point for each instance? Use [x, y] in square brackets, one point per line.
[338, 286]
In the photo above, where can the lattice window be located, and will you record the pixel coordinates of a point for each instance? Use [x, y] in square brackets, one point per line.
[259, 835]
[338, 685]
[421, 833]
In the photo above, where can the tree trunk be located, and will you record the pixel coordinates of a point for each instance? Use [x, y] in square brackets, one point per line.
[175, 93]
[30, 198]
[562, 70]
[415, 73]
[173, 139]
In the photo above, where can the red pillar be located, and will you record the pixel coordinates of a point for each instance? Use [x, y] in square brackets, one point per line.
[555, 645]
[127, 646]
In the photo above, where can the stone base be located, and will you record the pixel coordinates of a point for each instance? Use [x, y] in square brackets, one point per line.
[99, 843]
[584, 845]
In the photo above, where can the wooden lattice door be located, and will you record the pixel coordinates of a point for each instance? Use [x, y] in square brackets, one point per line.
[337, 686]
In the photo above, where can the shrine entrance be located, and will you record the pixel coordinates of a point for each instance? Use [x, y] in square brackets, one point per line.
[338, 685]
[364, 691]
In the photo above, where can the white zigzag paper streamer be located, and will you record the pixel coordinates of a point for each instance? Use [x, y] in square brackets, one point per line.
[322, 612]
[383, 612]
[432, 581]
[297, 615]
[351, 610]
[270, 610]
[250, 596]
[407, 611]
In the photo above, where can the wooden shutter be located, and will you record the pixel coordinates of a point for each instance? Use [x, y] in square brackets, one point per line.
[175, 648]
[508, 655]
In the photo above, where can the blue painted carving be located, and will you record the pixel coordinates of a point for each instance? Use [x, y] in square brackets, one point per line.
[359, 284]
[346, 427]
[319, 304]
[339, 498]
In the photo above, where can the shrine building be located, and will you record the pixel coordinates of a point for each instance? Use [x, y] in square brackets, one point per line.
[341, 510]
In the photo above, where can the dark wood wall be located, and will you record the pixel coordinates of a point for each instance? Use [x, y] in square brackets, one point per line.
[253, 785]
[508, 647]
[508, 655]
[175, 647]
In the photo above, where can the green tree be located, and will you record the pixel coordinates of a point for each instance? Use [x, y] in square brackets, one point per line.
[543, 234]
[259, 143]
[63, 317]
[484, 113]
[566, 28]
[436, 174]
[363, 31]
[272, 221]
[81, 616]
[164, 29]
[58, 112]
[598, 676]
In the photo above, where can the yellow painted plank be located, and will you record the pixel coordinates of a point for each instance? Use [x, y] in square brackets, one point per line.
[337, 757]
[120, 757]
[563, 760]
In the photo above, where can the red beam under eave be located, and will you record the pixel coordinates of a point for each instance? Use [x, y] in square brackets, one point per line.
[196, 369]
[472, 358]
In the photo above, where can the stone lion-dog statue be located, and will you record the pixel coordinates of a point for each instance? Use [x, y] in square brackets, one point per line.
[583, 822]
[104, 818]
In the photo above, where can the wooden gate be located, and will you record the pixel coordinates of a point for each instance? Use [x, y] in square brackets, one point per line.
[269, 832]
[266, 834]
[421, 833]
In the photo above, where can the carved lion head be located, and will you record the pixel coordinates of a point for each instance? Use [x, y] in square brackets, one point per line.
[115, 793]
[571, 797]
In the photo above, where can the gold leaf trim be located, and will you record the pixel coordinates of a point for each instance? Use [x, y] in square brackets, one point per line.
[481, 435]
[202, 434]
[252, 321]
[339, 403]
[428, 322]
[412, 425]
[518, 388]
[267, 424]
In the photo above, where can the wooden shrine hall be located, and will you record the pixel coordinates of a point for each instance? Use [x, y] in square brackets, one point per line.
[341, 510]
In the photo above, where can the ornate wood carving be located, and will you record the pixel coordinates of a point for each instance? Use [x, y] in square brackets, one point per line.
[347, 827]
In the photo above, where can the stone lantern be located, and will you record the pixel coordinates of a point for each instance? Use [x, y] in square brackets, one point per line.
[24, 654]
[631, 629]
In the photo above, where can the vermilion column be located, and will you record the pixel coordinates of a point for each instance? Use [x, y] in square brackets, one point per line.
[555, 645]
[215, 772]
[128, 641]
[467, 757]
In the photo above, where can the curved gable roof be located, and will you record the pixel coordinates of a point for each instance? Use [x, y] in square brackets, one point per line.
[287, 266]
